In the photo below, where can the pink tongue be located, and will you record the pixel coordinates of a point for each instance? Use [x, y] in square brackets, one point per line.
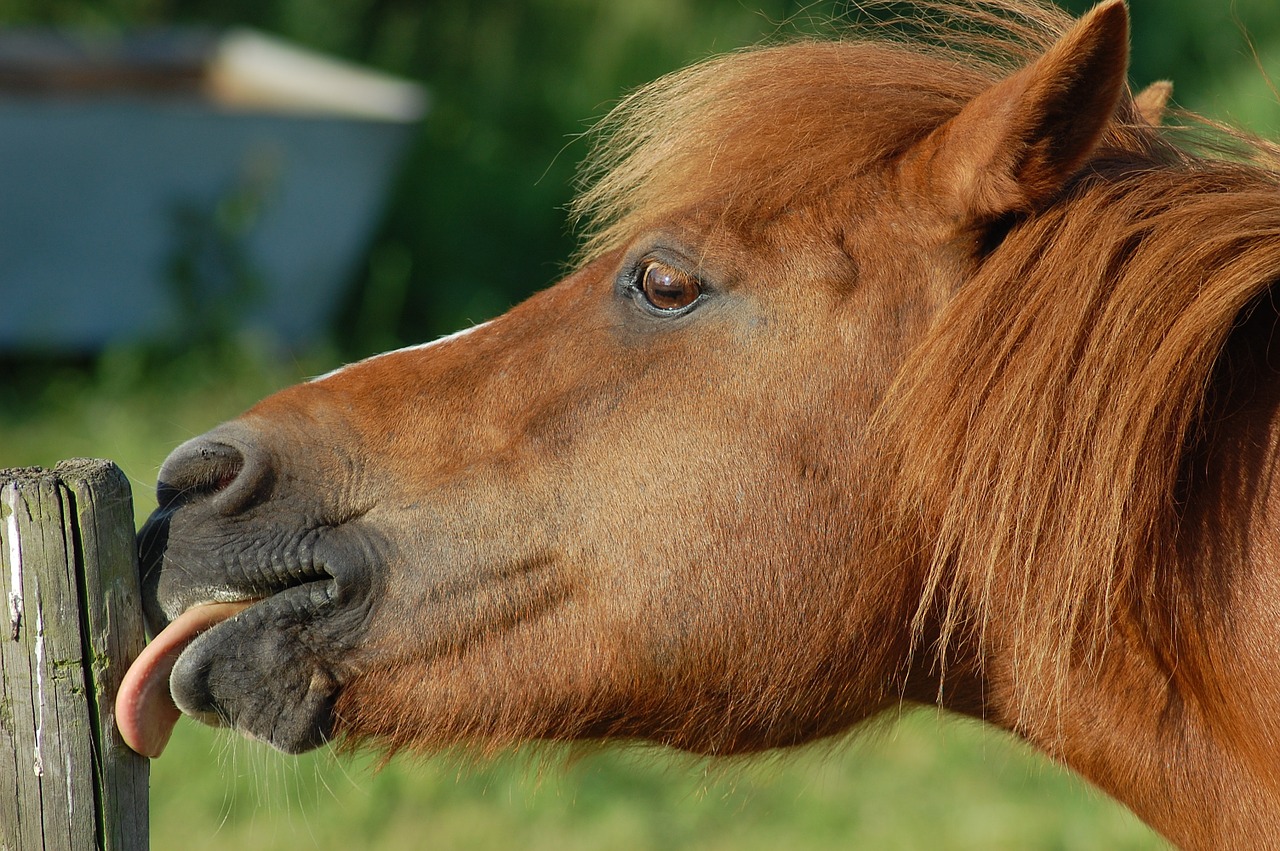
[145, 711]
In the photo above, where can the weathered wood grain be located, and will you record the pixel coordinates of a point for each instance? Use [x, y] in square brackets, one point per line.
[71, 625]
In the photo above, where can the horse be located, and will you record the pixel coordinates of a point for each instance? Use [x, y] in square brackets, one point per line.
[923, 370]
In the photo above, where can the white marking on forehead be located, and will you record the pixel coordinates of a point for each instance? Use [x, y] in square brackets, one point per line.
[414, 348]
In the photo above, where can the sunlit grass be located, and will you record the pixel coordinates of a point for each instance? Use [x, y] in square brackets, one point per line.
[925, 782]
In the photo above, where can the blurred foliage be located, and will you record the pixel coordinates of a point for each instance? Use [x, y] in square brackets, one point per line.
[476, 220]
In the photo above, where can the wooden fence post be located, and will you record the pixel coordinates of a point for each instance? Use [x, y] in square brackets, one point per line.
[71, 624]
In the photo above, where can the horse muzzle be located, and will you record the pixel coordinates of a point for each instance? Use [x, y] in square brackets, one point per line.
[256, 586]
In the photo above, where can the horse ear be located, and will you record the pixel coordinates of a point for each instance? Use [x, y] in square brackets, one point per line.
[1153, 101]
[1013, 147]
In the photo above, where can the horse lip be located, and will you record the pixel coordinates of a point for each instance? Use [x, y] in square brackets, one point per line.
[300, 565]
[145, 711]
[315, 555]
[205, 636]
[160, 613]
[202, 688]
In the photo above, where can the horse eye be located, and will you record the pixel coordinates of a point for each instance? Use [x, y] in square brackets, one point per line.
[668, 288]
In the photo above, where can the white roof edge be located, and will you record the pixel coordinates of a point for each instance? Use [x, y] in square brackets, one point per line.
[255, 71]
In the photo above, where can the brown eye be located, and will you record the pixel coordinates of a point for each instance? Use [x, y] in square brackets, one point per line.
[668, 288]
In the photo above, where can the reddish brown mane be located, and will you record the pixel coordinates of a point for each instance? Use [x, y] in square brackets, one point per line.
[1045, 425]
[767, 125]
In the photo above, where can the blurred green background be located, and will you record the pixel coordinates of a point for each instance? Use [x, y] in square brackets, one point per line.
[476, 219]
[475, 222]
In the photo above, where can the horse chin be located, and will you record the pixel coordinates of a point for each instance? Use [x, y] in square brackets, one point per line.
[252, 673]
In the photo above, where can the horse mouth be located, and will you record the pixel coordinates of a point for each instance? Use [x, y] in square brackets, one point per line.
[266, 666]
[247, 635]
[146, 711]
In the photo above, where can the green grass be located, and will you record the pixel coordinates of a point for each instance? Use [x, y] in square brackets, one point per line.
[927, 781]
[924, 782]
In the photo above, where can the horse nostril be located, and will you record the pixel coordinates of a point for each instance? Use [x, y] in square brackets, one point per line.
[232, 477]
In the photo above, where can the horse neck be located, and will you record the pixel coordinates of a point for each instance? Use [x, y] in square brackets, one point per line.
[1180, 716]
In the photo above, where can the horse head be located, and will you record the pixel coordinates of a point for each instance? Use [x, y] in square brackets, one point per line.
[665, 499]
